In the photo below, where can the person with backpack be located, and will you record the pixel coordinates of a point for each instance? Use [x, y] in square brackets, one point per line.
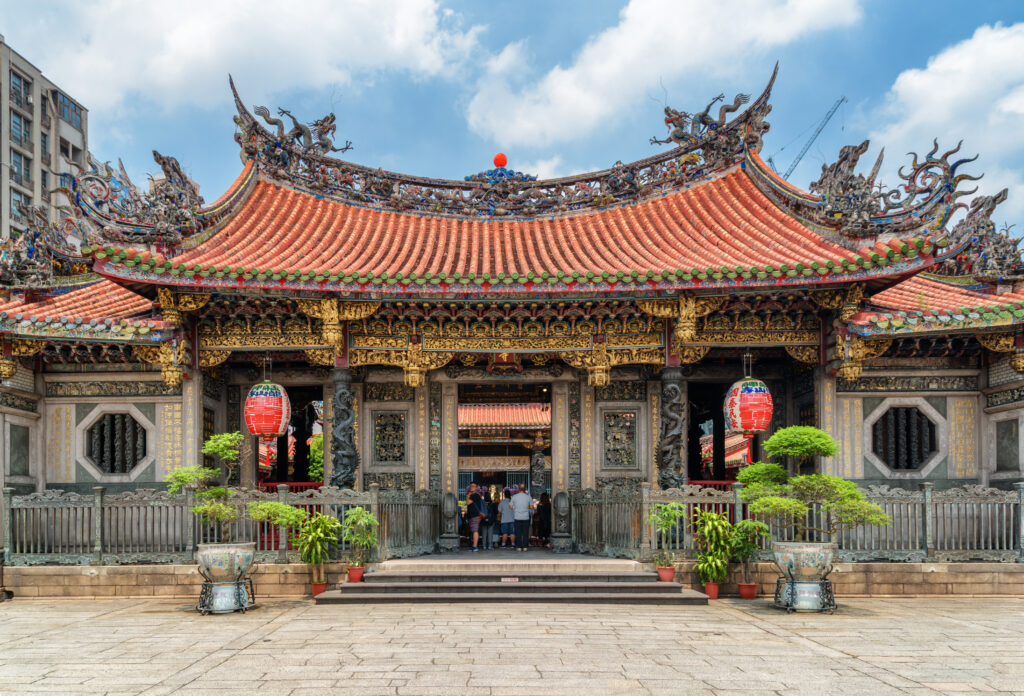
[522, 510]
[487, 522]
[505, 520]
[475, 512]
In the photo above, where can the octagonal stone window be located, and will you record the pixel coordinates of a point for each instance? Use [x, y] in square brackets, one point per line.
[904, 438]
[115, 443]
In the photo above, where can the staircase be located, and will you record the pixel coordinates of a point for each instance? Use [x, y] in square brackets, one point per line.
[501, 578]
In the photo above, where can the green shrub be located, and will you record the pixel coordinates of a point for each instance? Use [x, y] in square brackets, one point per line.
[762, 473]
[316, 458]
[315, 539]
[713, 532]
[224, 447]
[359, 529]
[745, 541]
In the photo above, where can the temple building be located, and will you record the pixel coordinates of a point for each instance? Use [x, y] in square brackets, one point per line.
[568, 333]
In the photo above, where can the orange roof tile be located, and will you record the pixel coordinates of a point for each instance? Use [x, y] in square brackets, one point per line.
[926, 305]
[504, 415]
[722, 228]
[99, 308]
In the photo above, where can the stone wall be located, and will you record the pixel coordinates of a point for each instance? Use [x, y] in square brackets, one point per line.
[892, 579]
[169, 581]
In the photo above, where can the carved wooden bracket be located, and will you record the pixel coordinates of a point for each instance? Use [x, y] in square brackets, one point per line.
[686, 310]
[998, 343]
[853, 352]
[415, 361]
[599, 360]
[8, 368]
[804, 354]
[22, 348]
[213, 358]
[334, 314]
[169, 360]
[172, 304]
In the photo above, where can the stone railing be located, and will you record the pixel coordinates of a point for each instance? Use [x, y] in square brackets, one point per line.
[150, 526]
[965, 523]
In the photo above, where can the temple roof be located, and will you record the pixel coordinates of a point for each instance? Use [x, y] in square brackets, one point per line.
[722, 233]
[925, 305]
[100, 311]
[504, 415]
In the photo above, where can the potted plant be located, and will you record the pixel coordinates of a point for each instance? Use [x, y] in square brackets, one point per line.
[316, 537]
[664, 517]
[804, 505]
[222, 562]
[359, 529]
[713, 531]
[666, 567]
[743, 544]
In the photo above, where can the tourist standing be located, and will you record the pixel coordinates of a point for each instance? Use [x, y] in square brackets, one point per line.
[543, 520]
[487, 521]
[505, 520]
[522, 506]
[474, 514]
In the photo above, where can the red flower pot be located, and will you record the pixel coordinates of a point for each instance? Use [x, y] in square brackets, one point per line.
[711, 590]
[319, 587]
[748, 590]
[355, 574]
[666, 573]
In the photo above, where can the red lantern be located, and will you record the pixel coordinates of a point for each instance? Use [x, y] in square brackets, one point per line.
[748, 407]
[267, 412]
[500, 160]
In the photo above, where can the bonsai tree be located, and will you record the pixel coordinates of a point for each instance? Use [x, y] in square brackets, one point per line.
[359, 529]
[277, 513]
[316, 458]
[802, 442]
[224, 447]
[316, 537]
[744, 543]
[772, 495]
[664, 517]
[212, 507]
[713, 532]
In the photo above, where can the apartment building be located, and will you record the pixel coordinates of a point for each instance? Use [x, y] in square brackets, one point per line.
[44, 135]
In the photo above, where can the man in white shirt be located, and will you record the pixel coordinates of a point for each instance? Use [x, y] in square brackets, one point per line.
[522, 505]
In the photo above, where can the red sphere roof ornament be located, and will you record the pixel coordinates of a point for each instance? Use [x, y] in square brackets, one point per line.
[500, 160]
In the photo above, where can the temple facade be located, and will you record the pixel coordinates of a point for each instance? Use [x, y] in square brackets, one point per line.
[569, 334]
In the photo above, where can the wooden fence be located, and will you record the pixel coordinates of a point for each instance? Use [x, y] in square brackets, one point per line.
[150, 526]
[965, 523]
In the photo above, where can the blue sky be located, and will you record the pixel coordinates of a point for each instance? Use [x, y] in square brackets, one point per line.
[436, 88]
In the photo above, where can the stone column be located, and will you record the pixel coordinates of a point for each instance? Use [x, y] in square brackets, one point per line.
[561, 539]
[191, 417]
[559, 437]
[344, 456]
[422, 431]
[450, 438]
[827, 420]
[672, 466]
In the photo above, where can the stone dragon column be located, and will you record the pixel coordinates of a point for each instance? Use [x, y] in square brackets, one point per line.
[344, 456]
[672, 472]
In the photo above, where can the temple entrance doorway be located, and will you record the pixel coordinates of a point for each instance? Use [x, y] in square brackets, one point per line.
[714, 454]
[505, 436]
[289, 456]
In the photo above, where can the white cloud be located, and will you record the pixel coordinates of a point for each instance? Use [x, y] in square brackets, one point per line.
[972, 90]
[179, 53]
[654, 40]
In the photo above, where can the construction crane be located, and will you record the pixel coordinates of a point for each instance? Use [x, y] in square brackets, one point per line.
[814, 136]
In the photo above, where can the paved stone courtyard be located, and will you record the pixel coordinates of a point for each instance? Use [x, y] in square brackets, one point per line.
[872, 646]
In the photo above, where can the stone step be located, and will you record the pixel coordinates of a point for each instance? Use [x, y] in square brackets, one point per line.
[559, 587]
[393, 576]
[511, 563]
[691, 597]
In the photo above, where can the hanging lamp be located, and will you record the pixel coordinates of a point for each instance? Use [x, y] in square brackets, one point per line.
[748, 403]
